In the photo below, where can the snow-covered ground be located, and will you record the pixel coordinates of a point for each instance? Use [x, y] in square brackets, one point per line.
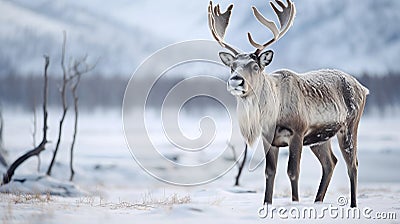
[110, 186]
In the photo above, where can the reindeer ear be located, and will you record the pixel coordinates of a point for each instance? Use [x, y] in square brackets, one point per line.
[266, 58]
[226, 58]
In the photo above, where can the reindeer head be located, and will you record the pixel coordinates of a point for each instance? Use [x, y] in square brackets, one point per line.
[246, 71]
[247, 68]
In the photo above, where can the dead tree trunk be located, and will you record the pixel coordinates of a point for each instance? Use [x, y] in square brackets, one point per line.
[2, 150]
[75, 80]
[64, 105]
[37, 150]
[239, 164]
[76, 98]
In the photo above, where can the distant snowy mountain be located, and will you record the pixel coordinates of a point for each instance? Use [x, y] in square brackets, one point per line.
[29, 29]
[354, 36]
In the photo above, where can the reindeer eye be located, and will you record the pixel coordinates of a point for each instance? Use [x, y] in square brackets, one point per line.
[256, 67]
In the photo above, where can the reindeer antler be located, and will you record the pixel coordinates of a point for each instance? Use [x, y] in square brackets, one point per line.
[218, 22]
[286, 17]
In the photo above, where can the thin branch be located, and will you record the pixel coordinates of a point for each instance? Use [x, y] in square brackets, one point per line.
[63, 54]
[76, 78]
[64, 104]
[2, 159]
[239, 164]
[37, 150]
[77, 64]
[76, 98]
[34, 131]
[45, 93]
[232, 147]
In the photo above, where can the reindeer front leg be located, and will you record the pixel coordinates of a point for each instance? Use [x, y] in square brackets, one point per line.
[271, 160]
[293, 171]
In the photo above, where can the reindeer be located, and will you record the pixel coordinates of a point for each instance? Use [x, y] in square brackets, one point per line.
[290, 109]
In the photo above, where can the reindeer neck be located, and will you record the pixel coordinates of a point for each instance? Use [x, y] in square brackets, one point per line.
[250, 110]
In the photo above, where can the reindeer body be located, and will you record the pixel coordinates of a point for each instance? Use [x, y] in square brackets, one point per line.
[308, 109]
[293, 110]
[317, 104]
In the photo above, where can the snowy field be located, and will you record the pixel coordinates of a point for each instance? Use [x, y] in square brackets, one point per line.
[109, 185]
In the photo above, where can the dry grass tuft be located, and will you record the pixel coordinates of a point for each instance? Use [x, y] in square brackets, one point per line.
[147, 202]
[21, 198]
[174, 199]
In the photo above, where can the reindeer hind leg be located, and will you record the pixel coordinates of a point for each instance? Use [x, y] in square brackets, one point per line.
[347, 139]
[328, 162]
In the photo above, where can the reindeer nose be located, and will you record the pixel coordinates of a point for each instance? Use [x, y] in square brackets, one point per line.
[236, 81]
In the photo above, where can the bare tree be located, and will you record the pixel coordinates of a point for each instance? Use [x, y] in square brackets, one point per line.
[73, 76]
[41, 147]
[239, 164]
[64, 103]
[79, 68]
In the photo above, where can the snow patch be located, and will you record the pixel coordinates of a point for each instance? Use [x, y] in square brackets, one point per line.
[42, 184]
